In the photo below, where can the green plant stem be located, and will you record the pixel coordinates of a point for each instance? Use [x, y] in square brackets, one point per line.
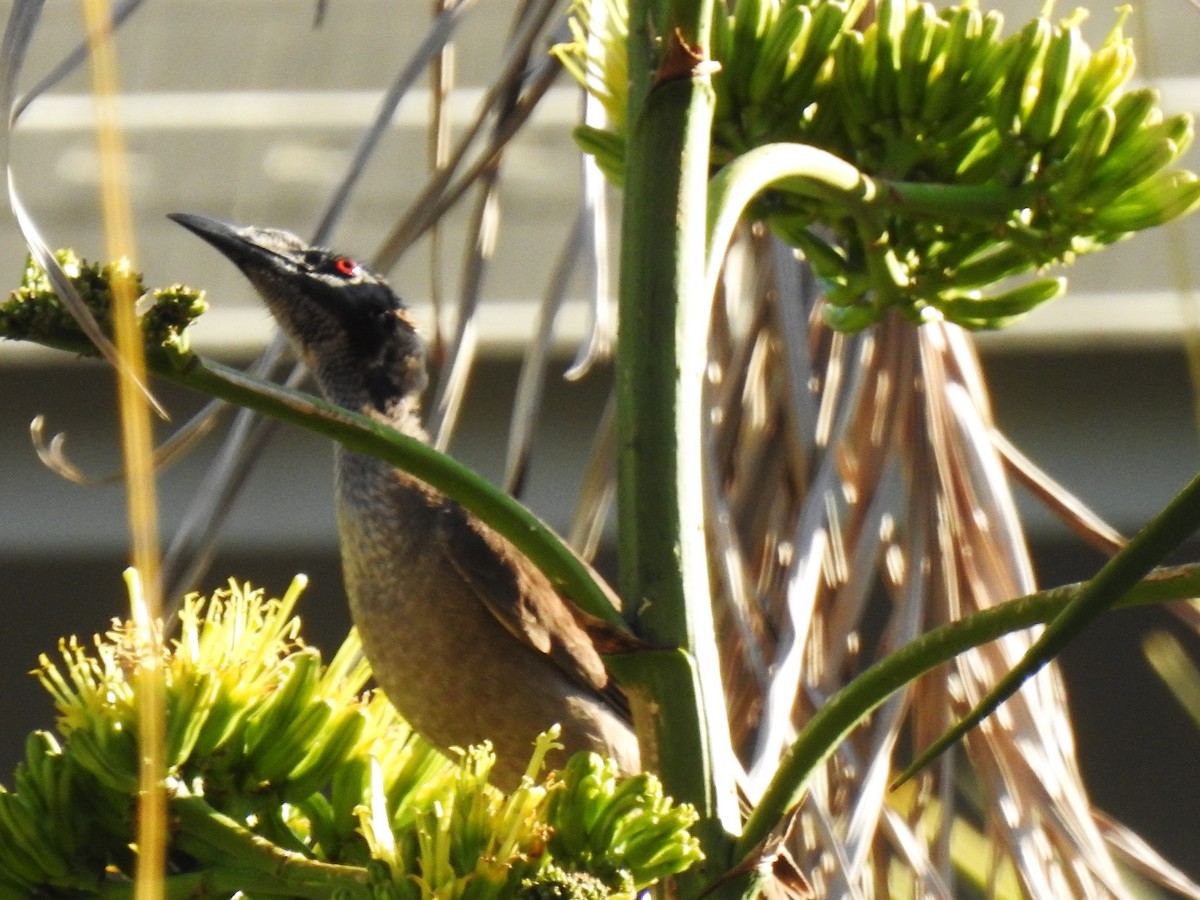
[255, 864]
[986, 204]
[847, 708]
[1166, 531]
[795, 168]
[664, 314]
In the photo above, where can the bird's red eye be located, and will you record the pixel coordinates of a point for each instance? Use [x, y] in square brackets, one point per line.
[346, 266]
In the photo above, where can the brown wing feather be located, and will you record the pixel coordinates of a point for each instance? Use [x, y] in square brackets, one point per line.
[520, 596]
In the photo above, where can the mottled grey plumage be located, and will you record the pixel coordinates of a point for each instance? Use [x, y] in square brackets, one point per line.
[466, 637]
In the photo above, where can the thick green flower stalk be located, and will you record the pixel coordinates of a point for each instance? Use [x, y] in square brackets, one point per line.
[286, 780]
[984, 158]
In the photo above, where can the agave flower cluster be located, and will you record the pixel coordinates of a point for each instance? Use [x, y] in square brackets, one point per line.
[34, 310]
[989, 156]
[285, 780]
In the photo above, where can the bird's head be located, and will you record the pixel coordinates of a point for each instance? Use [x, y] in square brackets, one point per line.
[346, 323]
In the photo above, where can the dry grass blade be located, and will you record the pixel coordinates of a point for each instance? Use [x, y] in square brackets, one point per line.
[585, 248]
[23, 20]
[532, 380]
[53, 455]
[73, 60]
[442, 71]
[927, 879]
[442, 415]
[196, 538]
[598, 486]
[436, 39]
[602, 328]
[444, 190]
[1140, 856]
[529, 20]
[1187, 612]
[145, 585]
[1069, 508]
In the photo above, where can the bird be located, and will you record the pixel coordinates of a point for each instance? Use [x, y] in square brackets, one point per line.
[465, 636]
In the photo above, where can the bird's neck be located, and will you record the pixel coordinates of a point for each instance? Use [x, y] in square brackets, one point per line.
[387, 389]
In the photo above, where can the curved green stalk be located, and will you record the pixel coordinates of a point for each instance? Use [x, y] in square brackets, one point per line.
[796, 168]
[819, 175]
[843, 712]
[251, 863]
[1166, 531]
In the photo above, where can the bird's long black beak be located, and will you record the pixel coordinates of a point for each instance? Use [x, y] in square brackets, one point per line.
[242, 245]
[222, 235]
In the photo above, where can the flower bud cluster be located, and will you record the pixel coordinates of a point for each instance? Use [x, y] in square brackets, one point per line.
[281, 771]
[994, 155]
[34, 311]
